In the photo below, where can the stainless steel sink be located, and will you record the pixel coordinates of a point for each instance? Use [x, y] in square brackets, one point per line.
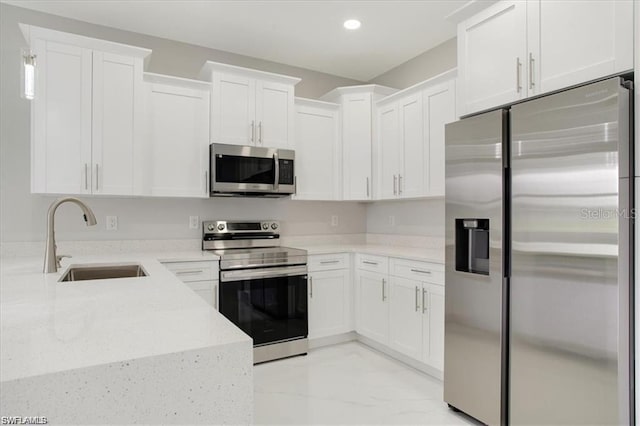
[103, 271]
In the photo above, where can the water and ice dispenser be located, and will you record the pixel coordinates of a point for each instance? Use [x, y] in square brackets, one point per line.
[472, 246]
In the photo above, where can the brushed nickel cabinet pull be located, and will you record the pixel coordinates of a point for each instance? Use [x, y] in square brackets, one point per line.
[253, 130]
[97, 177]
[518, 75]
[532, 81]
[417, 304]
[384, 297]
[394, 184]
[311, 287]
[86, 177]
[424, 304]
[420, 271]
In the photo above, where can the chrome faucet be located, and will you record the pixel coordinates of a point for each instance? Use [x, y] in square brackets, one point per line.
[51, 261]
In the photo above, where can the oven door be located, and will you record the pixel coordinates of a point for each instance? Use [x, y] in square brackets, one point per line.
[269, 304]
[251, 170]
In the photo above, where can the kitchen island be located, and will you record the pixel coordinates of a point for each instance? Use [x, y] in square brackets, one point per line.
[126, 350]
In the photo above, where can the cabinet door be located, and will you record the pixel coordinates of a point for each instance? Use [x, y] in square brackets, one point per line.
[388, 151]
[233, 110]
[177, 141]
[492, 49]
[412, 182]
[439, 109]
[373, 306]
[405, 319]
[205, 290]
[318, 156]
[328, 303]
[356, 146]
[117, 84]
[274, 115]
[61, 121]
[433, 325]
[572, 44]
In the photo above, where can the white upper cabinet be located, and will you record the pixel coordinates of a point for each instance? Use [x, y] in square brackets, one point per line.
[117, 95]
[318, 150]
[439, 109]
[233, 110]
[492, 50]
[410, 133]
[250, 107]
[515, 49]
[414, 161]
[86, 113]
[388, 152]
[176, 138]
[357, 136]
[570, 44]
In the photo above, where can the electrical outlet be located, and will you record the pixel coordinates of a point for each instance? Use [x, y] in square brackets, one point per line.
[194, 222]
[392, 220]
[334, 220]
[112, 223]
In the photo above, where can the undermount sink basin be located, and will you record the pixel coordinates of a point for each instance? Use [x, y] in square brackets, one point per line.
[103, 272]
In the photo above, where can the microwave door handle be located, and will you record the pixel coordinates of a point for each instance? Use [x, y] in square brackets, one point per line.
[276, 181]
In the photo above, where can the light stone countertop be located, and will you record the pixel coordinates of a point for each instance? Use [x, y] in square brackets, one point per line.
[48, 327]
[413, 253]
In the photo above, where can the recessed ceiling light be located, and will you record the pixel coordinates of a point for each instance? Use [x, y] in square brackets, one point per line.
[352, 24]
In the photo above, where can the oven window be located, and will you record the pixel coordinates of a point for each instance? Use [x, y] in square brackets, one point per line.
[267, 309]
[234, 169]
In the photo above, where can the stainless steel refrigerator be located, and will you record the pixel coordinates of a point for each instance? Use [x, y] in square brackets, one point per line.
[538, 260]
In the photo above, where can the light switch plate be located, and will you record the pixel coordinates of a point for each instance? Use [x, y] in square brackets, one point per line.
[334, 220]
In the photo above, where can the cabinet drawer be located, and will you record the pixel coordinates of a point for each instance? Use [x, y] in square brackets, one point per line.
[416, 270]
[327, 262]
[193, 271]
[373, 263]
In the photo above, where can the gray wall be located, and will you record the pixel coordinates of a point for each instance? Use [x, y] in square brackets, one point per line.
[426, 65]
[423, 217]
[22, 215]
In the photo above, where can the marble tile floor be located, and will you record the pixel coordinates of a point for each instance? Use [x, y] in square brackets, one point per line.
[348, 384]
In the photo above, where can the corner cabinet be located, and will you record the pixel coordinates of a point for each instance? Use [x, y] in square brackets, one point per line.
[86, 113]
[357, 136]
[250, 107]
[318, 150]
[516, 49]
[175, 143]
[330, 295]
[410, 139]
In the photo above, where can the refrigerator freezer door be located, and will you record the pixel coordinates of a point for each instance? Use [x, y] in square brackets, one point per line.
[474, 266]
[569, 276]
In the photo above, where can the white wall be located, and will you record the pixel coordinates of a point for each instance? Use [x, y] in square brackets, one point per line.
[420, 218]
[435, 61]
[22, 215]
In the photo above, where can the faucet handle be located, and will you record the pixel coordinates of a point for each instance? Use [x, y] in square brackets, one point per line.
[60, 257]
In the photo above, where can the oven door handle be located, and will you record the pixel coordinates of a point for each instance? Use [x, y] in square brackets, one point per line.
[276, 181]
[288, 271]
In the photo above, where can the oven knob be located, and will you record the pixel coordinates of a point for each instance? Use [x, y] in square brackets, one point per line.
[221, 227]
[211, 227]
[274, 226]
[265, 226]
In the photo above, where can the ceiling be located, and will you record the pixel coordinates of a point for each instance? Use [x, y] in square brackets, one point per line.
[303, 33]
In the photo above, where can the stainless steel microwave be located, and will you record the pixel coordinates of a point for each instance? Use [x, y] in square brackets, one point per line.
[251, 171]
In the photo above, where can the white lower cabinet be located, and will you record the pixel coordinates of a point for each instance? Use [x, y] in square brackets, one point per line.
[405, 316]
[373, 305]
[199, 276]
[433, 325]
[329, 295]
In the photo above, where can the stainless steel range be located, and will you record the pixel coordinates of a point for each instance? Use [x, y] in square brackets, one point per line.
[263, 286]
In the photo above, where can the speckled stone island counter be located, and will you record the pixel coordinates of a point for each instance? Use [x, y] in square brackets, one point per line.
[119, 351]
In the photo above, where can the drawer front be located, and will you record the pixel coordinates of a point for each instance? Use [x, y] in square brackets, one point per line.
[193, 271]
[416, 270]
[327, 262]
[373, 263]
